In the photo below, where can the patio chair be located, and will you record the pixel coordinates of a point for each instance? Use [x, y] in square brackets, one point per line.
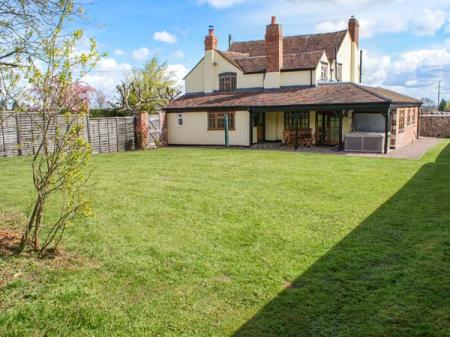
[308, 140]
[288, 137]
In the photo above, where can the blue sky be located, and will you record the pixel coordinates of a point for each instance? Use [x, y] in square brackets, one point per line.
[406, 43]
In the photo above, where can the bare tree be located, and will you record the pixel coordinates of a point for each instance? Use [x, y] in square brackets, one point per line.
[147, 89]
[24, 24]
[99, 99]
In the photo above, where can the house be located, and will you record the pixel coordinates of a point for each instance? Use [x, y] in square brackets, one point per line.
[284, 85]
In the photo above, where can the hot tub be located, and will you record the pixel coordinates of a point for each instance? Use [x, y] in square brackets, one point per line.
[371, 142]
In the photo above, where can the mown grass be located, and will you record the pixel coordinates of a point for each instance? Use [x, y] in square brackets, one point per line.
[216, 242]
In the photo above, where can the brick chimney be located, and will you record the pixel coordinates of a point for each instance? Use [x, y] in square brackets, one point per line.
[353, 28]
[274, 46]
[210, 39]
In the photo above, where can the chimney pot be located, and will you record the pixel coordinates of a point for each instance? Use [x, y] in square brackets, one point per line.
[210, 39]
[274, 20]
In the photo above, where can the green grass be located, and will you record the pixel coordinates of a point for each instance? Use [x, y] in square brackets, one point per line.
[211, 242]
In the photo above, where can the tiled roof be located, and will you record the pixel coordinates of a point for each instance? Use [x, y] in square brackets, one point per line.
[324, 94]
[297, 44]
[257, 64]
[390, 95]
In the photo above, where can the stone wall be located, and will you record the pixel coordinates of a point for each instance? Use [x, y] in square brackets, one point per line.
[435, 126]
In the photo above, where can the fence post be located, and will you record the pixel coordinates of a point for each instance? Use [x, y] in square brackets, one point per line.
[107, 134]
[117, 133]
[19, 137]
[99, 137]
[3, 137]
[88, 126]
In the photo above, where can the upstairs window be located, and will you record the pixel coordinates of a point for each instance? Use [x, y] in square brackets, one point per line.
[227, 82]
[324, 71]
[216, 120]
[339, 72]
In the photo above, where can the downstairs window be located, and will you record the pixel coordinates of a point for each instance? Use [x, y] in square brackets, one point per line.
[216, 120]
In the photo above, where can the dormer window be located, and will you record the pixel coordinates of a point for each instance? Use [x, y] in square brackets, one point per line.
[339, 72]
[227, 82]
[324, 71]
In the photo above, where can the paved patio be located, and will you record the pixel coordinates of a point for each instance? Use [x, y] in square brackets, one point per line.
[412, 151]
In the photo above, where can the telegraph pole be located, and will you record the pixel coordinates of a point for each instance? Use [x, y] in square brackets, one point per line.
[439, 95]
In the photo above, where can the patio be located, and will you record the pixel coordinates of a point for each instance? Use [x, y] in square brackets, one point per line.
[413, 150]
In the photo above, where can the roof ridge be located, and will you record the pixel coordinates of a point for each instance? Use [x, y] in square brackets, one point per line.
[317, 34]
[307, 52]
[292, 36]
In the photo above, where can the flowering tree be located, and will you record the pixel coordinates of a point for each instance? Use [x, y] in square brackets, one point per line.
[61, 101]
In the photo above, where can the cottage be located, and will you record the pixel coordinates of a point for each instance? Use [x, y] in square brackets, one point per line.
[303, 89]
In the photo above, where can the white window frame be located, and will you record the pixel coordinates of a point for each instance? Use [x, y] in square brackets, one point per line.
[324, 71]
[180, 120]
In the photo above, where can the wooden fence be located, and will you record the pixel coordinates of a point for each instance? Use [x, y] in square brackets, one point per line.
[20, 133]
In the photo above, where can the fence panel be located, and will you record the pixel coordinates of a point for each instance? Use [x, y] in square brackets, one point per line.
[21, 133]
[8, 136]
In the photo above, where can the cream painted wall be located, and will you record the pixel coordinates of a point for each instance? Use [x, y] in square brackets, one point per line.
[205, 76]
[194, 80]
[272, 80]
[255, 135]
[289, 78]
[274, 125]
[345, 58]
[194, 130]
[347, 124]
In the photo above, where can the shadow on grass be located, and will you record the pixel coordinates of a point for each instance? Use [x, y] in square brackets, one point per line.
[389, 277]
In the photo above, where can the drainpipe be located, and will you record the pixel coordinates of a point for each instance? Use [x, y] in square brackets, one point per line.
[335, 64]
[360, 65]
[225, 121]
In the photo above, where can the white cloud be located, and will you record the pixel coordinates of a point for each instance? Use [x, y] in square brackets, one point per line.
[429, 22]
[165, 37]
[106, 75]
[330, 26]
[177, 54]
[376, 17]
[414, 72]
[119, 52]
[141, 54]
[220, 4]
[178, 72]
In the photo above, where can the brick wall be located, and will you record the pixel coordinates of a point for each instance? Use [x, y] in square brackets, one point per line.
[435, 126]
[409, 132]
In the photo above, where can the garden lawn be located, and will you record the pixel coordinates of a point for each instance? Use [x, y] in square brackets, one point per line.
[229, 242]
